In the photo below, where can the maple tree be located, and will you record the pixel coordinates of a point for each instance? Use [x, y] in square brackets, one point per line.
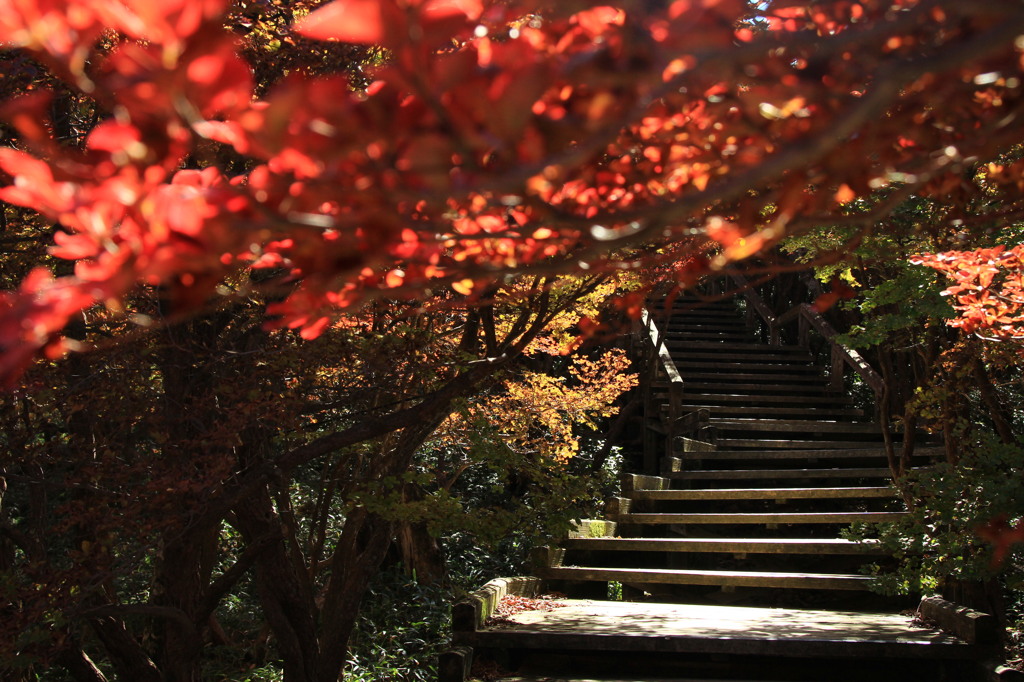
[491, 140]
[988, 295]
[988, 289]
[210, 454]
[422, 188]
[932, 304]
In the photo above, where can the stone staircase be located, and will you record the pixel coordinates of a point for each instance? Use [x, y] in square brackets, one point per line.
[755, 495]
[724, 558]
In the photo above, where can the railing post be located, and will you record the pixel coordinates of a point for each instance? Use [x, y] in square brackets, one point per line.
[803, 331]
[838, 367]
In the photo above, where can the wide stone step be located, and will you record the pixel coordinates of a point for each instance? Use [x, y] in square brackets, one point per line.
[755, 347]
[795, 426]
[725, 474]
[722, 324]
[698, 375]
[847, 453]
[686, 322]
[604, 678]
[727, 411]
[755, 389]
[634, 631]
[811, 581]
[775, 518]
[712, 399]
[776, 455]
[727, 371]
[788, 444]
[849, 492]
[696, 307]
[733, 546]
[681, 351]
[708, 334]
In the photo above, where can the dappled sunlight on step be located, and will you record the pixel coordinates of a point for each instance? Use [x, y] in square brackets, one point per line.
[694, 621]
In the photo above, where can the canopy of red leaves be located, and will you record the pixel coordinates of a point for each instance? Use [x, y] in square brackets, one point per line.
[497, 138]
[987, 290]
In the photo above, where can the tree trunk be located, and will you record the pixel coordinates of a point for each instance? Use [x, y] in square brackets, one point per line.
[420, 554]
[284, 591]
[361, 549]
[188, 551]
[130, 662]
[184, 576]
[418, 550]
[988, 395]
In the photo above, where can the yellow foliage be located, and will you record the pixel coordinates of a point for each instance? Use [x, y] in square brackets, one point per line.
[538, 412]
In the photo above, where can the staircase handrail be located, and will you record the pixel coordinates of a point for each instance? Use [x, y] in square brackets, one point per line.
[811, 318]
[678, 423]
[849, 356]
[664, 359]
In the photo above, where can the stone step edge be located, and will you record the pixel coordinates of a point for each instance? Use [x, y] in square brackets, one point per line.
[725, 545]
[758, 518]
[836, 581]
[727, 474]
[847, 492]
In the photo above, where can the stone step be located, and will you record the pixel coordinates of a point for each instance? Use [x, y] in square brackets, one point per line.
[848, 453]
[854, 492]
[716, 319]
[682, 352]
[726, 411]
[683, 323]
[812, 581]
[616, 678]
[795, 426]
[697, 375]
[726, 546]
[789, 444]
[723, 474]
[706, 388]
[713, 399]
[697, 307]
[633, 632]
[708, 334]
[762, 518]
[720, 321]
[776, 455]
[751, 347]
[734, 371]
[736, 338]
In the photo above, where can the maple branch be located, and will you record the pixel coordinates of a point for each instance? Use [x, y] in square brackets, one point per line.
[169, 613]
[247, 482]
[877, 212]
[227, 580]
[597, 140]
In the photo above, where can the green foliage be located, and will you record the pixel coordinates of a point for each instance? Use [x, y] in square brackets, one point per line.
[893, 297]
[939, 539]
[906, 300]
[402, 627]
[614, 591]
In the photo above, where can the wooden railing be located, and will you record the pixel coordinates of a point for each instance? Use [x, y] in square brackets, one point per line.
[664, 363]
[808, 318]
[662, 370]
